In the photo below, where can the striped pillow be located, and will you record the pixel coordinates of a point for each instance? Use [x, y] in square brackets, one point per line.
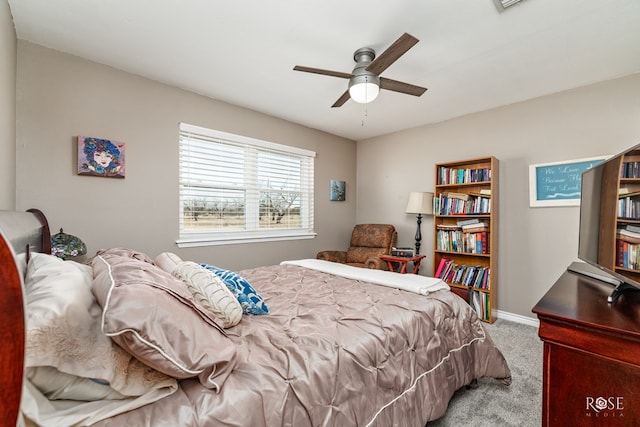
[209, 290]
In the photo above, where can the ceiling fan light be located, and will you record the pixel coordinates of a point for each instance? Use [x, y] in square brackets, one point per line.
[363, 89]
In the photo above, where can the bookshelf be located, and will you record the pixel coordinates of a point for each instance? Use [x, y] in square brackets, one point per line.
[624, 258]
[466, 231]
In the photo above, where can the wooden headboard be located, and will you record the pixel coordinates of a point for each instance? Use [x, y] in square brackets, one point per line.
[20, 234]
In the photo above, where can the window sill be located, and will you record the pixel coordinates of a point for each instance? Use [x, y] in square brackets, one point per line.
[233, 239]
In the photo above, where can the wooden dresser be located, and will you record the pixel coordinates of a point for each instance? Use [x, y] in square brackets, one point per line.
[591, 372]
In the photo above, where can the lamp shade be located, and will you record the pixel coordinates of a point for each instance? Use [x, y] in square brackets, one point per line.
[364, 88]
[363, 93]
[66, 245]
[420, 203]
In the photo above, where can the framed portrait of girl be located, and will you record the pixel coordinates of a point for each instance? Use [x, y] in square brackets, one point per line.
[100, 157]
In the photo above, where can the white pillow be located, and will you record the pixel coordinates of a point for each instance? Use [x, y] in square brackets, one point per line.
[167, 261]
[63, 332]
[210, 292]
[57, 385]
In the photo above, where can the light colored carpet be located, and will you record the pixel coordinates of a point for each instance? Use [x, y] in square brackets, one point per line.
[492, 403]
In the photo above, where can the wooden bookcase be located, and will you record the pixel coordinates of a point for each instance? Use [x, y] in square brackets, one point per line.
[465, 191]
[620, 207]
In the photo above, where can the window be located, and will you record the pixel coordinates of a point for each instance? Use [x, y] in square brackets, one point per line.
[235, 189]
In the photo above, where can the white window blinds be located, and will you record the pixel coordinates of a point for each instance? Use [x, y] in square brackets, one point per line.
[239, 189]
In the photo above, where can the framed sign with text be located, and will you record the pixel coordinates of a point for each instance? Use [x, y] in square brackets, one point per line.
[558, 183]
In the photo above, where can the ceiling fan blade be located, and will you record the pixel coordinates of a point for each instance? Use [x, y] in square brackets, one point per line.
[323, 72]
[393, 52]
[396, 86]
[340, 102]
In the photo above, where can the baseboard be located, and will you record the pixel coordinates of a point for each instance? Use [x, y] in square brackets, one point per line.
[505, 315]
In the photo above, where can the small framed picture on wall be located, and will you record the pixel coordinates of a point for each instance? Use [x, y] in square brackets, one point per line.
[100, 157]
[337, 190]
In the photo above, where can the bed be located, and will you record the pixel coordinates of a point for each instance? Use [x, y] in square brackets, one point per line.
[125, 339]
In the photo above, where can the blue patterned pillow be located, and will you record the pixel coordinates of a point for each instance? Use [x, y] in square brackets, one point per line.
[249, 299]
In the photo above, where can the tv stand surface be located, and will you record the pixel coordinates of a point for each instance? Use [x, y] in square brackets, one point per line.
[594, 272]
[617, 292]
[591, 368]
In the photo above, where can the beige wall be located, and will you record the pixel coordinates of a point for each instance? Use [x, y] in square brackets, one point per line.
[62, 96]
[7, 108]
[536, 244]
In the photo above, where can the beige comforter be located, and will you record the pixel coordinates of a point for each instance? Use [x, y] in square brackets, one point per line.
[337, 352]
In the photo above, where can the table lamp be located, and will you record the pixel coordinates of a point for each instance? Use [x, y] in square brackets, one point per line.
[67, 246]
[419, 204]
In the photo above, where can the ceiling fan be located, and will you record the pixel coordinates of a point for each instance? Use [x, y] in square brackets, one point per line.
[365, 81]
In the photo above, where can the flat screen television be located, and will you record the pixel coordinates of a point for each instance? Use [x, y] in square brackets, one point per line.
[601, 220]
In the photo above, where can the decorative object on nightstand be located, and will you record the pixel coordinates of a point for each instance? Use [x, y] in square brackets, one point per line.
[419, 204]
[67, 246]
[403, 252]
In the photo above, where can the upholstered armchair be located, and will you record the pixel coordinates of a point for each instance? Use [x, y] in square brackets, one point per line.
[368, 242]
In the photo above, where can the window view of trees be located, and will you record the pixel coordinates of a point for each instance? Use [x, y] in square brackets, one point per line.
[237, 187]
[280, 209]
[276, 209]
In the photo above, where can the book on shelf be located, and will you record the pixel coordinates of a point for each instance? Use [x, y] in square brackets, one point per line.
[628, 255]
[629, 194]
[482, 193]
[629, 207]
[479, 301]
[628, 235]
[474, 301]
[620, 253]
[471, 276]
[634, 228]
[481, 242]
[441, 265]
[448, 227]
[459, 196]
[462, 242]
[630, 170]
[471, 221]
[448, 175]
[445, 269]
[487, 306]
[444, 204]
[474, 227]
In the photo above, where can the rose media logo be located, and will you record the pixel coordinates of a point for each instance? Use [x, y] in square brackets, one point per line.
[605, 407]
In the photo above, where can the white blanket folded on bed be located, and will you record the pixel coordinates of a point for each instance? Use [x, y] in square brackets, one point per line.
[409, 282]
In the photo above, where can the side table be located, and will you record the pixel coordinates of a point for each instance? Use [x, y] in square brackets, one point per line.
[402, 263]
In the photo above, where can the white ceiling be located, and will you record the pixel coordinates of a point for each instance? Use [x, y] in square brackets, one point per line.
[470, 57]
